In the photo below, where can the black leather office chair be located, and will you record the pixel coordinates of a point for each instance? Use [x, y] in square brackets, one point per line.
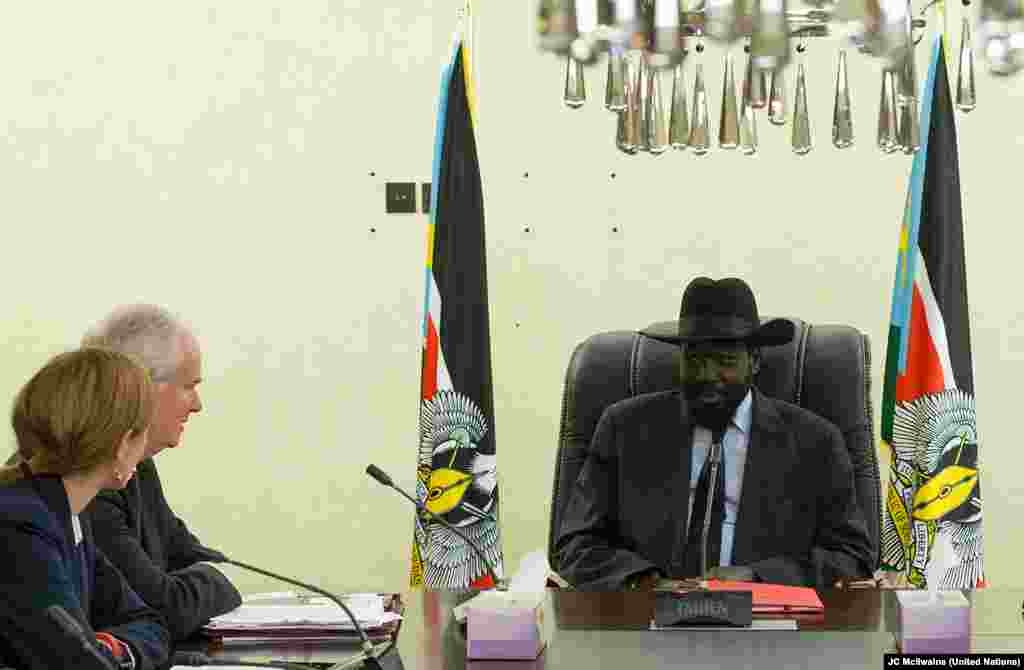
[825, 369]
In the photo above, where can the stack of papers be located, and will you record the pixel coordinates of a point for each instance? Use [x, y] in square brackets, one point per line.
[287, 617]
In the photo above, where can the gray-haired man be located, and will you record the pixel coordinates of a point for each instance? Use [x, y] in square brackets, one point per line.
[135, 527]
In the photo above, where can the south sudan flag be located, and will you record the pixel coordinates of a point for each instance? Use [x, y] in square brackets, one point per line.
[931, 531]
[456, 470]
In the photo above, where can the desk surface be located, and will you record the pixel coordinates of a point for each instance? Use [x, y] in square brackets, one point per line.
[600, 630]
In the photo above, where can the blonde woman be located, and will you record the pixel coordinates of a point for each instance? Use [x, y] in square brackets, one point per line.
[81, 424]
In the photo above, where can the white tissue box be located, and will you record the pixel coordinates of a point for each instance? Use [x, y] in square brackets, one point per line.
[934, 623]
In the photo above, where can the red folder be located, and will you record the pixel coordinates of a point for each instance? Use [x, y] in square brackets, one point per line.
[773, 598]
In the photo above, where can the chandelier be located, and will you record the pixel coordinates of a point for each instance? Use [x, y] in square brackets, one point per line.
[643, 39]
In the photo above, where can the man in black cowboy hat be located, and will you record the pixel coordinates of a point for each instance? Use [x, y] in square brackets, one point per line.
[783, 506]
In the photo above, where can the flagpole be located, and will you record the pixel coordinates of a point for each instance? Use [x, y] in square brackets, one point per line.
[942, 25]
[468, 31]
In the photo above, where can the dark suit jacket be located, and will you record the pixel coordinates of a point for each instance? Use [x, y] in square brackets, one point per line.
[798, 520]
[159, 557]
[41, 566]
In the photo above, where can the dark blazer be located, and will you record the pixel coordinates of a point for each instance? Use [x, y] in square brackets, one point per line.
[41, 566]
[159, 557]
[798, 520]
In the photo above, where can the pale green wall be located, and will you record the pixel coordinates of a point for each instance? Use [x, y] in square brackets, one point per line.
[216, 158]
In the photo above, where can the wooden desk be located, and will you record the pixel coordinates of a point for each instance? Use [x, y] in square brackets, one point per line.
[608, 631]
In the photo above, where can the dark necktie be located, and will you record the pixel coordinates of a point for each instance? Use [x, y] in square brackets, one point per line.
[696, 529]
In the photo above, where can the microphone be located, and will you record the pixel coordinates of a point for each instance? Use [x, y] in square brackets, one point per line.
[383, 478]
[88, 654]
[369, 653]
[714, 461]
[42, 639]
[209, 555]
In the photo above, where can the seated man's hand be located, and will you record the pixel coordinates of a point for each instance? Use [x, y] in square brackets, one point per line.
[854, 583]
[677, 585]
[645, 582]
[731, 573]
[118, 649]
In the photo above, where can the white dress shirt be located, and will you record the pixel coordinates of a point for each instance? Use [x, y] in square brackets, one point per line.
[734, 458]
[76, 528]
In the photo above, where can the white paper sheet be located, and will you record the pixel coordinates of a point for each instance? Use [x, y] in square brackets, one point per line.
[532, 575]
[526, 589]
[368, 609]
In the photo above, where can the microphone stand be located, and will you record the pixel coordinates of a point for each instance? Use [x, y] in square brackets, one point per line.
[90, 653]
[368, 655]
[198, 659]
[703, 606]
[715, 459]
[370, 652]
[49, 638]
[383, 478]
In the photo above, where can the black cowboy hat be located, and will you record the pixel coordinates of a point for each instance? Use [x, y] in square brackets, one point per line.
[720, 310]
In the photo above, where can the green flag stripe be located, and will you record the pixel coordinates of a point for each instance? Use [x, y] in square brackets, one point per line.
[892, 366]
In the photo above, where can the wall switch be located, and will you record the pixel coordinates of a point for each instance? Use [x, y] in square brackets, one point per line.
[400, 197]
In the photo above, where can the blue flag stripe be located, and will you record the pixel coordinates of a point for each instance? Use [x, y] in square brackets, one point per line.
[916, 189]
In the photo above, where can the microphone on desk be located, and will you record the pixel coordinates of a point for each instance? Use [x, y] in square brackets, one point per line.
[85, 652]
[714, 462]
[369, 653]
[49, 638]
[383, 478]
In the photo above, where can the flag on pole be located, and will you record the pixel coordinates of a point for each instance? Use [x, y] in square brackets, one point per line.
[456, 474]
[931, 530]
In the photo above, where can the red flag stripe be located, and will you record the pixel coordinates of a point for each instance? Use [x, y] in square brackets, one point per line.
[440, 375]
[483, 582]
[924, 369]
[936, 321]
[428, 376]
